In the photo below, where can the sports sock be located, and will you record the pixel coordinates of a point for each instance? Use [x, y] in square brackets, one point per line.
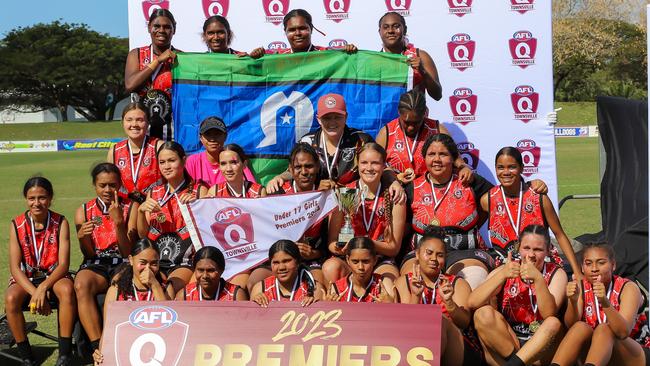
[25, 350]
[514, 360]
[94, 345]
[65, 345]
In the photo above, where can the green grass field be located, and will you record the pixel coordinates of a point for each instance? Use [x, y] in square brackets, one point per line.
[577, 160]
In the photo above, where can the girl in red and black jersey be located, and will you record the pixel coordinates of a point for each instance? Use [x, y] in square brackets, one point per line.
[305, 169]
[377, 217]
[516, 307]
[427, 284]
[138, 280]
[392, 30]
[209, 264]
[148, 70]
[232, 161]
[136, 156]
[39, 258]
[513, 205]
[160, 218]
[404, 137]
[361, 258]
[106, 229]
[602, 315]
[290, 280]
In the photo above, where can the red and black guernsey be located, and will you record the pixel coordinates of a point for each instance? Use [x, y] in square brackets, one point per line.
[270, 290]
[162, 80]
[148, 174]
[140, 295]
[379, 219]
[457, 212]
[398, 145]
[253, 190]
[418, 79]
[227, 292]
[344, 287]
[104, 236]
[589, 313]
[515, 301]
[48, 237]
[430, 295]
[502, 233]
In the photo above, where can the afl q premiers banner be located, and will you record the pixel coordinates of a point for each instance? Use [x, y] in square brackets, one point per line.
[244, 334]
[244, 229]
[494, 58]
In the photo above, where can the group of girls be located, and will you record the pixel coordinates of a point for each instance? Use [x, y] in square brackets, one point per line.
[149, 67]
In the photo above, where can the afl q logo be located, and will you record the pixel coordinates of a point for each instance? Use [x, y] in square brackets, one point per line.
[463, 104]
[530, 154]
[522, 6]
[460, 7]
[401, 7]
[141, 340]
[469, 153]
[338, 44]
[149, 6]
[461, 51]
[215, 7]
[523, 47]
[233, 228]
[275, 10]
[336, 10]
[277, 46]
[524, 102]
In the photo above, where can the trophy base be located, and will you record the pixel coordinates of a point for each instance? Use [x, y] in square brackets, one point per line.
[344, 238]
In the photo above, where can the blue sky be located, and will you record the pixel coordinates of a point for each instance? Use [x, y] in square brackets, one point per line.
[104, 16]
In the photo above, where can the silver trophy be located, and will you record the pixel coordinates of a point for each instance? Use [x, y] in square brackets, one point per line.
[348, 200]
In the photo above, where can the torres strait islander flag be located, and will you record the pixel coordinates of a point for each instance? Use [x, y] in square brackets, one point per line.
[268, 104]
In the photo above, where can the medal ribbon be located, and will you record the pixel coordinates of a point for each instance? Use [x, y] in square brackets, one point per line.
[609, 292]
[103, 206]
[295, 188]
[368, 224]
[135, 293]
[168, 196]
[435, 198]
[512, 222]
[365, 293]
[329, 166]
[233, 192]
[410, 150]
[155, 73]
[216, 295]
[433, 294]
[135, 168]
[296, 283]
[38, 249]
[533, 298]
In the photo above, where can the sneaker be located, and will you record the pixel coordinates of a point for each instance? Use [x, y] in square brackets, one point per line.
[64, 360]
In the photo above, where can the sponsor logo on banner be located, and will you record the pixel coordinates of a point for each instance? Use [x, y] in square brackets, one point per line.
[469, 153]
[524, 102]
[215, 7]
[463, 104]
[522, 6]
[337, 10]
[149, 6]
[401, 7]
[86, 144]
[233, 230]
[153, 324]
[571, 131]
[461, 50]
[277, 46]
[523, 47]
[27, 146]
[275, 10]
[530, 154]
[460, 7]
[338, 44]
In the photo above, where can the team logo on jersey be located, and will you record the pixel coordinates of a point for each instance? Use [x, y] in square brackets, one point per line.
[458, 193]
[149, 6]
[233, 229]
[215, 7]
[399, 145]
[146, 161]
[426, 199]
[336, 10]
[347, 154]
[530, 154]
[275, 10]
[121, 162]
[461, 51]
[460, 7]
[522, 6]
[469, 153]
[463, 104]
[143, 337]
[523, 47]
[524, 103]
[401, 7]
[589, 310]
[514, 289]
[528, 207]
[338, 44]
[277, 46]
[500, 209]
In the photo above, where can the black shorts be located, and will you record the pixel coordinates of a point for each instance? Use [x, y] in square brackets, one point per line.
[166, 270]
[105, 267]
[313, 264]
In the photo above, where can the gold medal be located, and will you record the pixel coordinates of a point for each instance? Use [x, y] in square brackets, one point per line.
[435, 222]
[408, 171]
[96, 220]
[533, 326]
[161, 218]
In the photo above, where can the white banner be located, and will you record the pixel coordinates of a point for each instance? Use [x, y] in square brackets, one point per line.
[27, 146]
[244, 229]
[494, 58]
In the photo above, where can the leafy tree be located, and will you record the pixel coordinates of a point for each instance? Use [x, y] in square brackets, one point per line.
[58, 65]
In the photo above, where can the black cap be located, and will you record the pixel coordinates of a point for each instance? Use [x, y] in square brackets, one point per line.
[212, 123]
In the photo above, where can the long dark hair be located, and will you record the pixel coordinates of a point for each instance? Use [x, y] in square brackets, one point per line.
[108, 168]
[361, 242]
[512, 152]
[133, 106]
[211, 253]
[413, 100]
[293, 251]
[224, 22]
[38, 182]
[298, 13]
[178, 149]
[444, 139]
[536, 230]
[124, 279]
[160, 12]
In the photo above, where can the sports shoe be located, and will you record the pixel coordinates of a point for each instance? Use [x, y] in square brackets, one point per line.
[64, 360]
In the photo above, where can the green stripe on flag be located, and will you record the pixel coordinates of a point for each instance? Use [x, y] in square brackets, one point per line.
[270, 167]
[223, 69]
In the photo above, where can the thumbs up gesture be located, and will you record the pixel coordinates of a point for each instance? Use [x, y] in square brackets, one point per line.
[573, 289]
[511, 268]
